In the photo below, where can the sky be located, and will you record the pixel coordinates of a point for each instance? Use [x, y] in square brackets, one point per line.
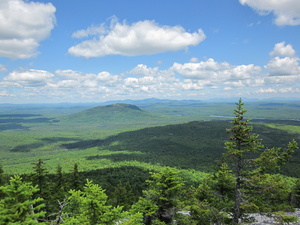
[96, 51]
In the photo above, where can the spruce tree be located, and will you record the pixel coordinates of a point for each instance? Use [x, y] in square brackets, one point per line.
[75, 181]
[163, 199]
[19, 206]
[250, 172]
[39, 177]
[241, 146]
[90, 207]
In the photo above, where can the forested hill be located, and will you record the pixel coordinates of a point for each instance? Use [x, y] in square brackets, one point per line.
[113, 114]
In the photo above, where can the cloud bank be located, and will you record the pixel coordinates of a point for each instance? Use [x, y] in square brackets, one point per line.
[193, 79]
[23, 25]
[140, 38]
[286, 12]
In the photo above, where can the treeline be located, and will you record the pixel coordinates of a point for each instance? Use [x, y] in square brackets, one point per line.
[160, 197]
[244, 181]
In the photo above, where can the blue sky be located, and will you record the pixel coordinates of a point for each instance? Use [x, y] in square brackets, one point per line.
[95, 51]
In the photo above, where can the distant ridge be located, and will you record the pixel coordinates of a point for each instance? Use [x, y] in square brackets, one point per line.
[122, 106]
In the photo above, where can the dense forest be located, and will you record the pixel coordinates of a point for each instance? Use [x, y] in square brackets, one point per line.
[246, 175]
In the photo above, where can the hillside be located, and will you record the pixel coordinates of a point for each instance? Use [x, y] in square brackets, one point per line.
[119, 114]
[194, 145]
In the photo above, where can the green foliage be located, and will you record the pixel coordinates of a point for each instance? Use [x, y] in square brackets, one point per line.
[123, 195]
[207, 204]
[161, 201]
[75, 181]
[118, 157]
[250, 172]
[271, 159]
[1, 176]
[39, 177]
[296, 194]
[203, 213]
[89, 207]
[146, 207]
[194, 145]
[269, 192]
[283, 218]
[225, 181]
[242, 144]
[18, 205]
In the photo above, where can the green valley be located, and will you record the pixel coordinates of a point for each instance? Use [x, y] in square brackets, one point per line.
[121, 145]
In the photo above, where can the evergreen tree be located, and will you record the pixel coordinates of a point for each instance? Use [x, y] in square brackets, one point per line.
[123, 195]
[163, 199]
[90, 207]
[58, 194]
[39, 177]
[59, 184]
[240, 154]
[19, 206]
[2, 180]
[242, 144]
[1, 176]
[296, 194]
[75, 181]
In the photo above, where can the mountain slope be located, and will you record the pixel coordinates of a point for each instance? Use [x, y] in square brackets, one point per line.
[114, 114]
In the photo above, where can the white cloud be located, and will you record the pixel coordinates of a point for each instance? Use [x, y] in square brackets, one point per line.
[140, 38]
[194, 60]
[92, 30]
[213, 70]
[284, 61]
[30, 77]
[266, 90]
[287, 12]
[282, 80]
[23, 25]
[70, 74]
[108, 78]
[283, 66]
[144, 70]
[182, 80]
[281, 49]
[289, 90]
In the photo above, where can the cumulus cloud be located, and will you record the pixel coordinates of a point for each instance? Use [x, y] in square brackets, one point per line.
[213, 70]
[23, 25]
[284, 61]
[140, 38]
[281, 49]
[286, 12]
[29, 77]
[145, 71]
[283, 66]
[181, 80]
